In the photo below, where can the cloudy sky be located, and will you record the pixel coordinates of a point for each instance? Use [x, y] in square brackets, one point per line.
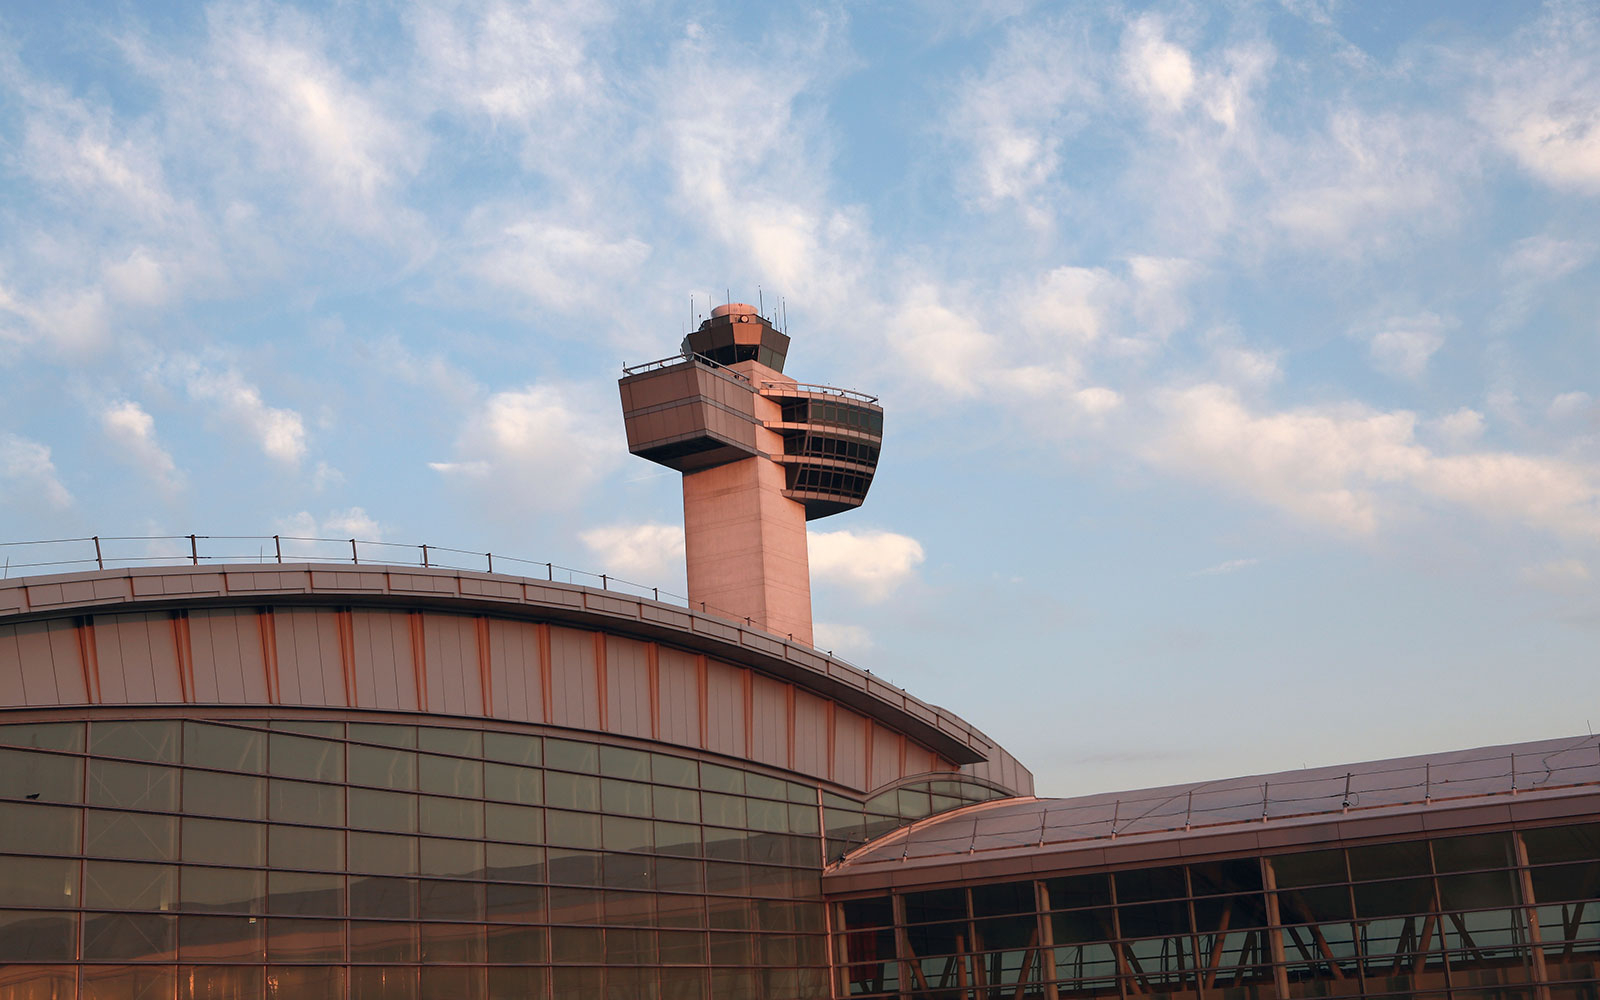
[1241, 362]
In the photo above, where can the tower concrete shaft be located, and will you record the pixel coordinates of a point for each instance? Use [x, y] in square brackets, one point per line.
[760, 453]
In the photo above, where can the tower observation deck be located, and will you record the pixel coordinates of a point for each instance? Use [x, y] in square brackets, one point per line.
[761, 454]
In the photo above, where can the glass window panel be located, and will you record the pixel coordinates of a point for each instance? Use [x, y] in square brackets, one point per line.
[935, 905]
[1397, 898]
[383, 854]
[681, 947]
[152, 740]
[1479, 890]
[304, 802]
[223, 890]
[622, 834]
[573, 906]
[305, 894]
[389, 942]
[150, 982]
[670, 770]
[1143, 884]
[577, 944]
[624, 798]
[133, 786]
[223, 842]
[41, 777]
[571, 791]
[723, 810]
[224, 747]
[302, 847]
[727, 914]
[383, 767]
[306, 982]
[567, 829]
[28, 828]
[1311, 868]
[514, 863]
[221, 939]
[677, 838]
[450, 817]
[450, 775]
[804, 819]
[1078, 890]
[763, 786]
[522, 824]
[724, 877]
[679, 804]
[521, 945]
[307, 727]
[452, 943]
[1563, 883]
[1465, 854]
[236, 796]
[1081, 927]
[800, 794]
[39, 881]
[565, 755]
[302, 757]
[1218, 913]
[130, 835]
[569, 867]
[221, 982]
[445, 983]
[1562, 843]
[772, 817]
[394, 898]
[1154, 919]
[395, 812]
[716, 778]
[450, 900]
[517, 983]
[630, 947]
[462, 742]
[621, 762]
[680, 911]
[383, 983]
[384, 734]
[732, 949]
[627, 871]
[517, 904]
[38, 936]
[1314, 905]
[129, 937]
[44, 735]
[509, 783]
[1217, 877]
[579, 983]
[1394, 860]
[460, 858]
[725, 845]
[512, 748]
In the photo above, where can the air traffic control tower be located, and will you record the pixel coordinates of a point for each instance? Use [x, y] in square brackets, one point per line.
[760, 453]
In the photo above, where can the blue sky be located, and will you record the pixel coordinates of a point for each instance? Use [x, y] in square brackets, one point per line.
[1240, 361]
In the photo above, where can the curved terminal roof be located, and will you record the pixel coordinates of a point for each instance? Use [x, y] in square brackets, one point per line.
[145, 589]
[1316, 805]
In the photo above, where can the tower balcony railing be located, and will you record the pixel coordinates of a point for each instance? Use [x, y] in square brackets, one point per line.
[678, 359]
[814, 388]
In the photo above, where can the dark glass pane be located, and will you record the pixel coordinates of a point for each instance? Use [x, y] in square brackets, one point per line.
[220, 939]
[223, 890]
[1078, 927]
[236, 796]
[518, 984]
[27, 828]
[459, 858]
[522, 824]
[44, 735]
[674, 771]
[129, 937]
[1154, 919]
[1314, 905]
[1562, 843]
[1216, 877]
[384, 734]
[394, 898]
[1464, 854]
[303, 894]
[450, 900]
[442, 983]
[387, 942]
[1398, 898]
[450, 776]
[573, 906]
[936, 905]
[220, 982]
[522, 945]
[679, 875]
[1149, 884]
[509, 783]
[680, 911]
[154, 740]
[1478, 891]
[681, 804]
[1312, 868]
[577, 944]
[302, 757]
[149, 982]
[461, 742]
[621, 762]
[517, 904]
[383, 767]
[770, 817]
[383, 854]
[39, 881]
[627, 871]
[383, 983]
[301, 847]
[514, 863]
[1005, 897]
[571, 791]
[450, 817]
[113, 885]
[41, 777]
[864, 913]
[130, 835]
[569, 867]
[804, 819]
[722, 810]
[1079, 890]
[716, 778]
[624, 798]
[374, 810]
[1395, 860]
[224, 747]
[568, 829]
[677, 838]
[38, 936]
[1561, 883]
[618, 833]
[305, 802]
[314, 982]
[1221, 913]
[222, 842]
[295, 940]
[511, 748]
[451, 943]
[565, 755]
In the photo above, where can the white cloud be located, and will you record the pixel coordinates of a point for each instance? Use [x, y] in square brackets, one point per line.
[28, 474]
[539, 447]
[1569, 405]
[847, 641]
[1224, 568]
[643, 552]
[1460, 428]
[1406, 344]
[870, 563]
[1558, 576]
[133, 432]
[1159, 70]
[552, 263]
[1543, 104]
[279, 433]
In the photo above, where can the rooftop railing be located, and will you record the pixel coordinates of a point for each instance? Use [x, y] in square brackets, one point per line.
[824, 390]
[678, 359]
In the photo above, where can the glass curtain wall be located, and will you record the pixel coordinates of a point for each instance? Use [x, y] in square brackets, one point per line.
[1490, 917]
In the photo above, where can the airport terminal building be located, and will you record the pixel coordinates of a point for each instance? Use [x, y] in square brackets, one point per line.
[285, 779]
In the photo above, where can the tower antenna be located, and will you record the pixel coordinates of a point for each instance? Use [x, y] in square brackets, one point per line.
[761, 302]
[785, 314]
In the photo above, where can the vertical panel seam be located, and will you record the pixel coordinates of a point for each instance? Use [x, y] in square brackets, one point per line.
[788, 725]
[547, 692]
[705, 700]
[601, 688]
[268, 628]
[652, 663]
[345, 618]
[89, 654]
[828, 713]
[747, 682]
[482, 633]
[179, 623]
[419, 658]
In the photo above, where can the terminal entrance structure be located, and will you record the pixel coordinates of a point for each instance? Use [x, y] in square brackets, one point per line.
[300, 778]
